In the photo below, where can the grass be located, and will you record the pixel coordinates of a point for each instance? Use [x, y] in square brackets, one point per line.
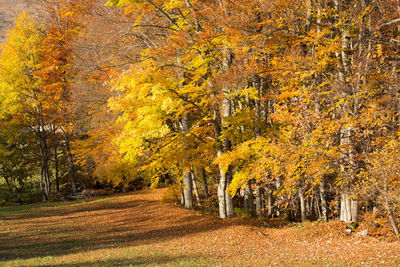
[113, 257]
[139, 230]
[43, 235]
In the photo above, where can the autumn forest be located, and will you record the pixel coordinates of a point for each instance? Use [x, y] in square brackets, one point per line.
[270, 108]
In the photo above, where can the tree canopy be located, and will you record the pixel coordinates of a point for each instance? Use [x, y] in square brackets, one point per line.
[285, 106]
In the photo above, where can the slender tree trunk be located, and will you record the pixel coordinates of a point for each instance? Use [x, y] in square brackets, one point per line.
[259, 200]
[354, 210]
[71, 165]
[187, 176]
[221, 194]
[343, 217]
[324, 204]
[392, 220]
[224, 197]
[196, 191]
[19, 197]
[182, 193]
[308, 202]
[229, 201]
[56, 168]
[269, 200]
[187, 189]
[205, 186]
[278, 200]
[347, 200]
[302, 204]
[317, 209]
[10, 188]
[249, 199]
[44, 175]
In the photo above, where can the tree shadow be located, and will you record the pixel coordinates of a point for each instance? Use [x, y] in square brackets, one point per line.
[48, 210]
[136, 261]
[127, 223]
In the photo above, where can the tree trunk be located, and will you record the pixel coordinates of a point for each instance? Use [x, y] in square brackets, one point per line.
[259, 200]
[324, 204]
[71, 166]
[309, 206]
[249, 199]
[348, 208]
[221, 195]
[354, 210]
[388, 208]
[182, 193]
[10, 188]
[56, 168]
[343, 217]
[205, 186]
[196, 191]
[269, 200]
[45, 185]
[187, 190]
[224, 198]
[317, 209]
[229, 201]
[19, 196]
[392, 220]
[278, 199]
[187, 175]
[302, 204]
[347, 200]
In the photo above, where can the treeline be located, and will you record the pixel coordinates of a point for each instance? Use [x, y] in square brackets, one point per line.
[287, 107]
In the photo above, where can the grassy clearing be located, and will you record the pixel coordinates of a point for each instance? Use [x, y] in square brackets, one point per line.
[131, 256]
[67, 234]
[139, 230]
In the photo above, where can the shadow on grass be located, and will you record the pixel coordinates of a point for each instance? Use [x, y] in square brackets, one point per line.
[40, 210]
[139, 261]
[122, 222]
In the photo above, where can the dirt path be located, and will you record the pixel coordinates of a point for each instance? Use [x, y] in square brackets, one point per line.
[84, 233]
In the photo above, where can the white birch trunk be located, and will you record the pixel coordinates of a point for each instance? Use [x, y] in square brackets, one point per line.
[302, 204]
[196, 191]
[187, 189]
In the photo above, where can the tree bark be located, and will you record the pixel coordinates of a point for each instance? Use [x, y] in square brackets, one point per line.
[269, 200]
[56, 168]
[354, 210]
[182, 193]
[259, 200]
[324, 204]
[302, 204]
[71, 165]
[349, 208]
[45, 185]
[224, 198]
[392, 220]
[205, 186]
[187, 176]
[196, 191]
[187, 189]
[221, 194]
[249, 199]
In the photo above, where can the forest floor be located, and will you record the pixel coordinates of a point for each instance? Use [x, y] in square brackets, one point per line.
[138, 229]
